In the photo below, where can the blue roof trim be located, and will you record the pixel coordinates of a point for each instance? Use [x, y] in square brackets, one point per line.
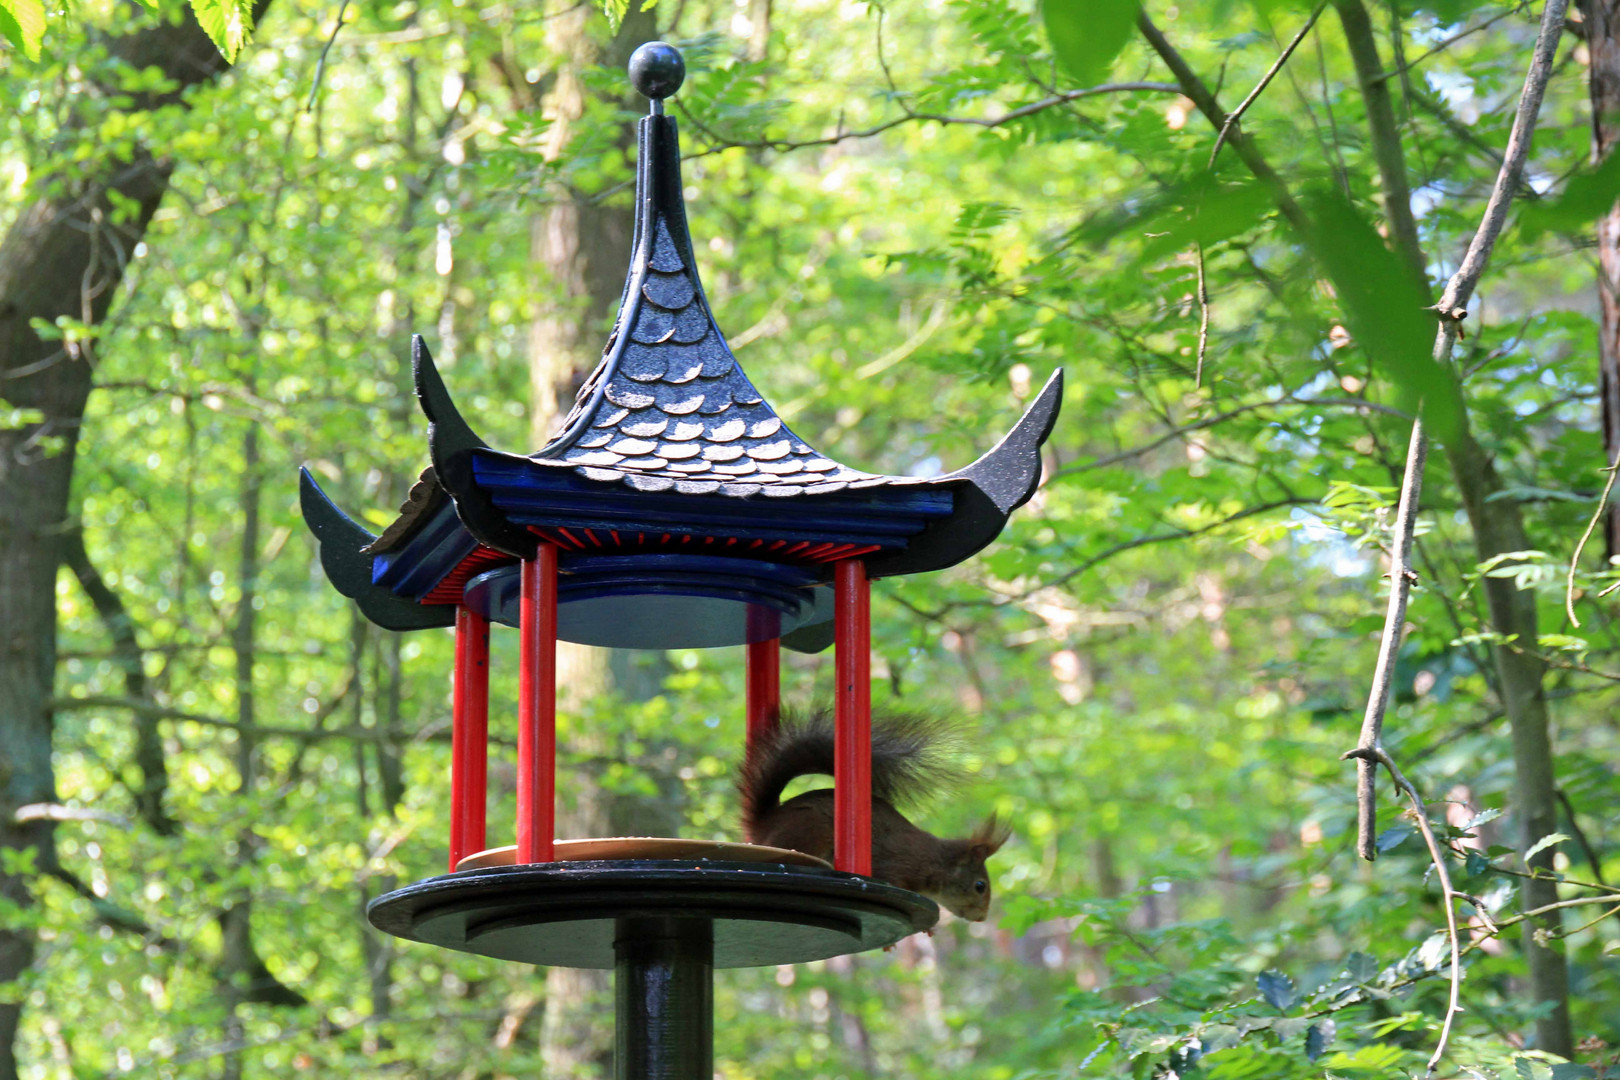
[437, 548]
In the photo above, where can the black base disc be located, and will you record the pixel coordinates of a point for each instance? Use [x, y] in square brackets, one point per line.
[564, 914]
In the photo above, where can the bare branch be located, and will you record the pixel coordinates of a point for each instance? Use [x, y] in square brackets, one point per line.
[1193, 88]
[1591, 526]
[1007, 117]
[1203, 312]
[1400, 579]
[320, 62]
[1460, 289]
[1220, 418]
[1449, 896]
[1265, 81]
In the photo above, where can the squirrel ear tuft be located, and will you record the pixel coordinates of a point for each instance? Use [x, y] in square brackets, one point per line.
[989, 836]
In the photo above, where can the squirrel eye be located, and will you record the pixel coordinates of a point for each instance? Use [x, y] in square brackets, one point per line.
[981, 885]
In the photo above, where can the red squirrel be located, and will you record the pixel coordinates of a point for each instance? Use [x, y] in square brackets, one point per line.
[907, 763]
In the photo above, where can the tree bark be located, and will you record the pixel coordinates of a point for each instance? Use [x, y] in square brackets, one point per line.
[1603, 42]
[64, 257]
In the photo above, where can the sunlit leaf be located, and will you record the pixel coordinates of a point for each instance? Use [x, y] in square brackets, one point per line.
[23, 24]
[1087, 35]
[1543, 844]
[228, 23]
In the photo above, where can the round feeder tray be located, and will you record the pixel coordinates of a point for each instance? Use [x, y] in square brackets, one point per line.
[569, 914]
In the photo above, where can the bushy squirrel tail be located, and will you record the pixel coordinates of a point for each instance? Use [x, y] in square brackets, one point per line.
[911, 759]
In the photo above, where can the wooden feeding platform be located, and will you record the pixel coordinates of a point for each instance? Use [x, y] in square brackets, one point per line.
[674, 509]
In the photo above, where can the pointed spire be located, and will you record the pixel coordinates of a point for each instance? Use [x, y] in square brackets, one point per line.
[657, 70]
[669, 408]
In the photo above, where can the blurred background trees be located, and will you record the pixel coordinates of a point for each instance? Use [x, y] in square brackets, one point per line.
[911, 215]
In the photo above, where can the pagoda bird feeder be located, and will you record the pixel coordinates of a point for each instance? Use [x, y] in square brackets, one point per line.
[674, 509]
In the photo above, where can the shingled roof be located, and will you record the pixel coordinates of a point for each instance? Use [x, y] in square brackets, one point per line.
[669, 408]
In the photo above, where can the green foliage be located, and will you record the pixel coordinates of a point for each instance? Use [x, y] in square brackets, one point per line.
[1087, 35]
[1587, 196]
[1386, 310]
[1159, 662]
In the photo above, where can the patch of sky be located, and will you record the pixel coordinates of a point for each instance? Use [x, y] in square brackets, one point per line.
[1325, 546]
[1426, 198]
[1457, 91]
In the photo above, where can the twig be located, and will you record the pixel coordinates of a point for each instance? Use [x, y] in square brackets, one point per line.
[1145, 540]
[1575, 559]
[1378, 755]
[1400, 580]
[320, 63]
[1265, 81]
[58, 812]
[1220, 418]
[1402, 69]
[1194, 88]
[1460, 289]
[839, 135]
[1203, 313]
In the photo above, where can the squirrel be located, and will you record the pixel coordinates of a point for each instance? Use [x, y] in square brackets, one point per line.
[907, 763]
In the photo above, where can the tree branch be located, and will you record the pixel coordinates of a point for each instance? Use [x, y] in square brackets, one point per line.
[1064, 98]
[1400, 577]
[1378, 755]
[1194, 89]
[1264, 82]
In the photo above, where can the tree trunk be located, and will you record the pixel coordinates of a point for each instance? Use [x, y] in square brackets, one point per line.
[1603, 42]
[1498, 528]
[581, 247]
[126, 645]
[63, 257]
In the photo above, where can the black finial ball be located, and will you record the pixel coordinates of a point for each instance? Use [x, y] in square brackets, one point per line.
[657, 70]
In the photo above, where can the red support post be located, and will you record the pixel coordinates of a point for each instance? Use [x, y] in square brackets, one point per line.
[764, 688]
[469, 736]
[852, 743]
[537, 707]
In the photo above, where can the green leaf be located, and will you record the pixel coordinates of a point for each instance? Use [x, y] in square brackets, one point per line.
[1586, 197]
[615, 11]
[1290, 1028]
[1319, 1038]
[1476, 864]
[1384, 307]
[1217, 1037]
[1276, 988]
[1393, 837]
[1569, 1070]
[23, 24]
[1087, 35]
[1361, 967]
[1543, 844]
[1481, 818]
[228, 23]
